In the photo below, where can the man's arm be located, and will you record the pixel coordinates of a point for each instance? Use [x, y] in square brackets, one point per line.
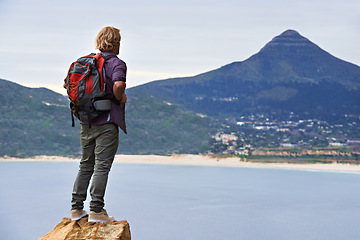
[119, 91]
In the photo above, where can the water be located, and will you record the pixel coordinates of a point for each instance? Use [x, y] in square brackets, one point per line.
[163, 202]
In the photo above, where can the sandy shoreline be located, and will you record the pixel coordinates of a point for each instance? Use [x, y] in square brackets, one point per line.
[201, 160]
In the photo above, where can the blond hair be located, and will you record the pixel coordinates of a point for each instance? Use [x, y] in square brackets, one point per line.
[107, 38]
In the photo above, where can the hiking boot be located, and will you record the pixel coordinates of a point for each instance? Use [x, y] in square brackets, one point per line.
[101, 217]
[77, 214]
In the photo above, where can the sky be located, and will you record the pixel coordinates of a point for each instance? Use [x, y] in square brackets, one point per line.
[162, 38]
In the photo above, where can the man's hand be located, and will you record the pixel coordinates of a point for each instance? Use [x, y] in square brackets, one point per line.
[123, 99]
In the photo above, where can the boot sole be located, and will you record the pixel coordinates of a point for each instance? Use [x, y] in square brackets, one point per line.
[78, 218]
[94, 220]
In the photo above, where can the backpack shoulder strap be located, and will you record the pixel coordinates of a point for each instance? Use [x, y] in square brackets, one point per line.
[100, 58]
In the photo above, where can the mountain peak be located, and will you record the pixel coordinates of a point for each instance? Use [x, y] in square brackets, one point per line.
[290, 38]
[290, 32]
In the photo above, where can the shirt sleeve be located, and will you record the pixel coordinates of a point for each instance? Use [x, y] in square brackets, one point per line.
[119, 71]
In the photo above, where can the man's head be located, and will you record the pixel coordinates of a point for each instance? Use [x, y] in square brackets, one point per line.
[108, 39]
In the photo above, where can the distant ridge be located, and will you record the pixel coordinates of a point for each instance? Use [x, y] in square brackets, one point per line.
[289, 74]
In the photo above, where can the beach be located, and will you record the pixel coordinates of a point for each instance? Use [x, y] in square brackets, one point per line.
[202, 160]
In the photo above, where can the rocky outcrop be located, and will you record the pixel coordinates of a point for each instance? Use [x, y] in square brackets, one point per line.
[83, 230]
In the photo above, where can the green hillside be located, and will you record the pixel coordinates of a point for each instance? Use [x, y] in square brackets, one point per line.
[157, 127]
[36, 121]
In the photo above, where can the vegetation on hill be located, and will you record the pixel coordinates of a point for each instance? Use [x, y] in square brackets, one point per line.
[36, 121]
[157, 127]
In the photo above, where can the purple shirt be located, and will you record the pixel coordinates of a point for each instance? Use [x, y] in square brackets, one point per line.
[115, 70]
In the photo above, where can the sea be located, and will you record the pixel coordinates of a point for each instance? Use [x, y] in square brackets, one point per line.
[167, 202]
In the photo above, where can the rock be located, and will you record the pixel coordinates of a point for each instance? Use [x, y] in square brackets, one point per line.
[83, 230]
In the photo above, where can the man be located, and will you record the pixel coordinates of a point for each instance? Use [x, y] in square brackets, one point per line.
[100, 141]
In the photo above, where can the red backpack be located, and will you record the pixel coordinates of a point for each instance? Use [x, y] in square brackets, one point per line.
[85, 85]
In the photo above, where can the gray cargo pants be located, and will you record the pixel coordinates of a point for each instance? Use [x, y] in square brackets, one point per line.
[99, 145]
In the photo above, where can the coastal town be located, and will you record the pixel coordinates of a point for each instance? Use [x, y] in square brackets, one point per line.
[295, 137]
